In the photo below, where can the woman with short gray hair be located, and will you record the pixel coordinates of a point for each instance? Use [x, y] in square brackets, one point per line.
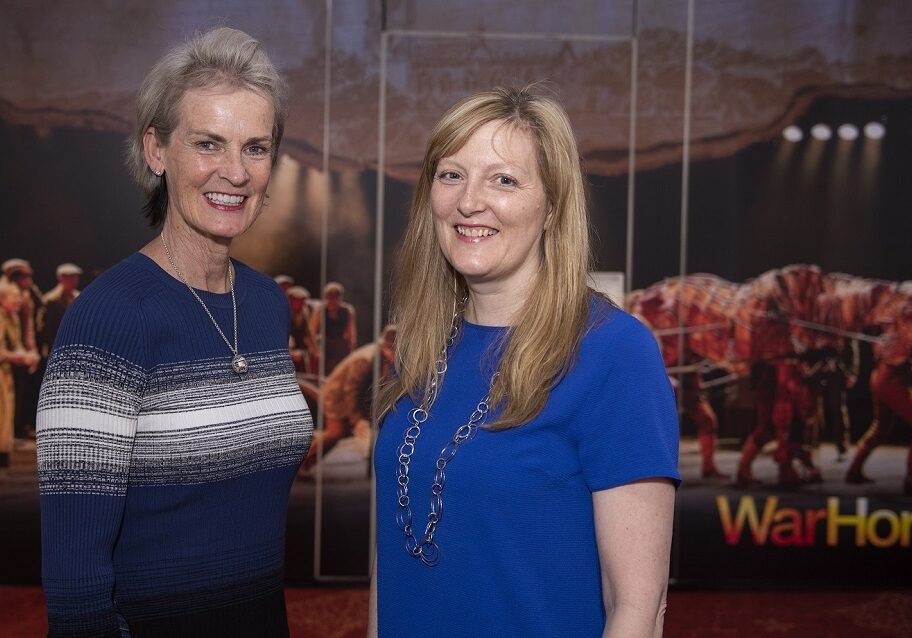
[170, 423]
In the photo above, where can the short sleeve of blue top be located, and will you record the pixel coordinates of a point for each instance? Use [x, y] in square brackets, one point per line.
[518, 553]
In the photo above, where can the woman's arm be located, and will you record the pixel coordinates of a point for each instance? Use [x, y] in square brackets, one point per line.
[87, 418]
[351, 330]
[633, 525]
[13, 356]
[18, 357]
[316, 322]
[310, 341]
[372, 603]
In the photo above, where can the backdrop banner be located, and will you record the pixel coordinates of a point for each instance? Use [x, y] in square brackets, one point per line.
[749, 196]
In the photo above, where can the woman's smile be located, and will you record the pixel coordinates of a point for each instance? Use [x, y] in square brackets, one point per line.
[226, 201]
[474, 234]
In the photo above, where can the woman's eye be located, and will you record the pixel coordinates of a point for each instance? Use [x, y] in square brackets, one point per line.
[506, 180]
[258, 149]
[448, 175]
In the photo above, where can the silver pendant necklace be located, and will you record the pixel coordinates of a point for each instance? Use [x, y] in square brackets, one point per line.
[426, 549]
[238, 363]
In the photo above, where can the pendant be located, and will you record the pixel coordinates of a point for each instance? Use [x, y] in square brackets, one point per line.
[239, 364]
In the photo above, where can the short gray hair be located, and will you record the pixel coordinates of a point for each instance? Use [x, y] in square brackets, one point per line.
[215, 57]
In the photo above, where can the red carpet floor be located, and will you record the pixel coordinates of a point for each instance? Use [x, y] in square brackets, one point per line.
[340, 613]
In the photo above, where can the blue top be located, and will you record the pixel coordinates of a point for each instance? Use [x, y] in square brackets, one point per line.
[517, 542]
[164, 475]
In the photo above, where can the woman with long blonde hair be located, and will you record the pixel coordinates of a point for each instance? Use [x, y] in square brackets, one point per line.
[527, 460]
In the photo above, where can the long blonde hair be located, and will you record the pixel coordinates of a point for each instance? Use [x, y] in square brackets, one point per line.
[542, 343]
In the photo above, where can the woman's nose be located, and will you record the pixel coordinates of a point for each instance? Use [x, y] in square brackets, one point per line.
[234, 170]
[471, 199]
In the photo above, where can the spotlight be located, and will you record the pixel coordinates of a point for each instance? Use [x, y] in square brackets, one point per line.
[792, 133]
[875, 130]
[821, 132]
[848, 132]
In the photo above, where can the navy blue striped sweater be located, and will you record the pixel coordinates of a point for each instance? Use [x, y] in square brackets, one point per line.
[165, 476]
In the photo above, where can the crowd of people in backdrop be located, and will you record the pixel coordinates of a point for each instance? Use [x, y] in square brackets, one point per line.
[338, 330]
[29, 320]
[336, 373]
[323, 344]
[332, 370]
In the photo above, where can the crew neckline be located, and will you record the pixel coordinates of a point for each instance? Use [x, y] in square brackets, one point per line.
[214, 299]
[483, 328]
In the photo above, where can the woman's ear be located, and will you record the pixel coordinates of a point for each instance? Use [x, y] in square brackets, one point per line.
[152, 151]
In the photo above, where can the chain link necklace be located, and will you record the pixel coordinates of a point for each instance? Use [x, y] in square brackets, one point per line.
[238, 362]
[426, 549]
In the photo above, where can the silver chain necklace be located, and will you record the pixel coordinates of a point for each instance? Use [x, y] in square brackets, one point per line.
[426, 549]
[238, 362]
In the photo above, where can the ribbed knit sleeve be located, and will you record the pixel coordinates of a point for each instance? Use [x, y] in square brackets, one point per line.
[87, 416]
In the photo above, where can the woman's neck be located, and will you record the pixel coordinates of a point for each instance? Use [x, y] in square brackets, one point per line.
[496, 305]
[203, 261]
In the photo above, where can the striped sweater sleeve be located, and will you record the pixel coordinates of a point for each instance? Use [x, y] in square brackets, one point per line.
[87, 416]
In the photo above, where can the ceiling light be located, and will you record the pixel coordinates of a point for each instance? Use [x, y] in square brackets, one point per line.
[875, 130]
[792, 133]
[848, 132]
[821, 132]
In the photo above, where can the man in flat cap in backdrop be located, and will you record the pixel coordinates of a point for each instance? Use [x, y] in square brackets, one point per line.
[27, 380]
[54, 304]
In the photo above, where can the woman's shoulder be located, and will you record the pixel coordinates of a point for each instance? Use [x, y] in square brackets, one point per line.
[616, 340]
[120, 287]
[108, 314]
[257, 282]
[609, 326]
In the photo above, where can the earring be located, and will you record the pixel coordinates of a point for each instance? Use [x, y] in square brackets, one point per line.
[158, 172]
